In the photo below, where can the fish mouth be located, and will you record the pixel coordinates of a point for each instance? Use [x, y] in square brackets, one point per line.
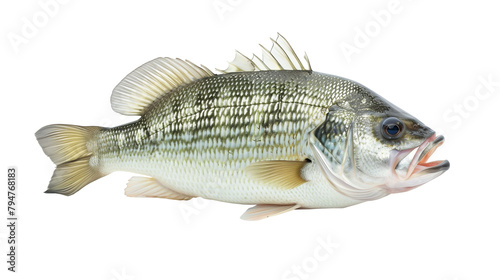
[423, 165]
[420, 170]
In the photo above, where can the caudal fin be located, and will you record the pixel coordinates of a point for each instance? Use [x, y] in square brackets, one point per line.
[72, 149]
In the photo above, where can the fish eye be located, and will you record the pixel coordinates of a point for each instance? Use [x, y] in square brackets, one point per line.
[392, 128]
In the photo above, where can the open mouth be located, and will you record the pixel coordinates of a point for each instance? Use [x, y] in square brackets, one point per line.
[423, 165]
[419, 170]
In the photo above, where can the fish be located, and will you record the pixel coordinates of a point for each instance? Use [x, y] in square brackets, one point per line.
[266, 131]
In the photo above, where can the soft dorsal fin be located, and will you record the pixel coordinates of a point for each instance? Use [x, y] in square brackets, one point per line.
[280, 56]
[151, 80]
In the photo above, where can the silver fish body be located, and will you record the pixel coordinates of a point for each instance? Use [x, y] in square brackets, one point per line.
[199, 139]
[281, 139]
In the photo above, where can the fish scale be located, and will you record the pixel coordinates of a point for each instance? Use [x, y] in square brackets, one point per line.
[268, 131]
[225, 122]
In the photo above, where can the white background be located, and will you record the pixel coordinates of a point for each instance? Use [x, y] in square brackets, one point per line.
[428, 58]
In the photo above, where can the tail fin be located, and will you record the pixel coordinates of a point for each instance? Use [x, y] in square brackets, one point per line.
[71, 148]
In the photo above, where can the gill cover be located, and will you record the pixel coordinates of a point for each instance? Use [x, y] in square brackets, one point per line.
[332, 145]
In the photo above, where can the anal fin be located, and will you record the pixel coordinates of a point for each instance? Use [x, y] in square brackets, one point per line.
[262, 211]
[139, 186]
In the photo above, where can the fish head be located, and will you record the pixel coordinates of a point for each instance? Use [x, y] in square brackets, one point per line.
[368, 148]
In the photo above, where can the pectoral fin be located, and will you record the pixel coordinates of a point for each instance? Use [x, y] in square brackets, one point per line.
[283, 174]
[262, 211]
[149, 187]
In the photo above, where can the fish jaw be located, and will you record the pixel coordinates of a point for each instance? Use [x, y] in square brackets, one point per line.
[340, 179]
[410, 167]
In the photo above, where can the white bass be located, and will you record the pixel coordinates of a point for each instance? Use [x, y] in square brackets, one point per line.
[267, 131]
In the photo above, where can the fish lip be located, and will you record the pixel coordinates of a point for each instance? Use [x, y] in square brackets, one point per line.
[419, 163]
[439, 140]
[433, 167]
[422, 165]
[419, 171]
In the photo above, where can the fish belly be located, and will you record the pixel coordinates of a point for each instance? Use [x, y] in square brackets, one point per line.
[229, 183]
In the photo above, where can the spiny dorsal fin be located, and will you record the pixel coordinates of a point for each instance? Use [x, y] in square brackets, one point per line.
[151, 80]
[280, 56]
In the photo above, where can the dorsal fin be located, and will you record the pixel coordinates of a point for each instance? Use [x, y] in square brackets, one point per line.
[280, 56]
[151, 80]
